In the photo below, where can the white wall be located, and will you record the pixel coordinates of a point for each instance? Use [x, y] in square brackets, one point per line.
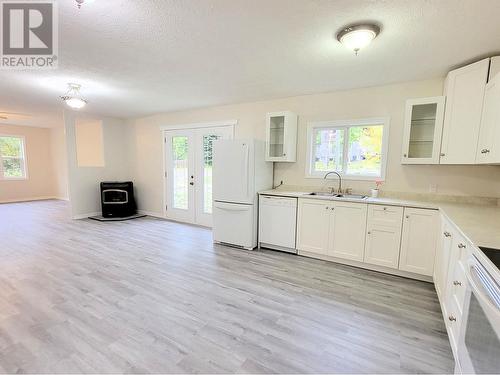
[89, 143]
[84, 181]
[59, 162]
[146, 141]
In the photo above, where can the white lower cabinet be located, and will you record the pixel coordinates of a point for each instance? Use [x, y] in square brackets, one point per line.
[383, 236]
[379, 235]
[335, 229]
[313, 225]
[442, 260]
[454, 299]
[347, 231]
[418, 241]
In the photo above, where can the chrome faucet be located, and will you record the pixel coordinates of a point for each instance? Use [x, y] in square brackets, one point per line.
[340, 181]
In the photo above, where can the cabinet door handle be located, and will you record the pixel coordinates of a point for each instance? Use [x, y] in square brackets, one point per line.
[369, 232]
[451, 318]
[332, 208]
[327, 208]
[442, 154]
[461, 246]
[385, 208]
[485, 151]
[457, 283]
[447, 234]
[407, 216]
[405, 155]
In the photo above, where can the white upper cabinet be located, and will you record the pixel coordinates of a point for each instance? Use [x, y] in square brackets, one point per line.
[488, 148]
[422, 131]
[281, 137]
[464, 91]
[418, 241]
[494, 67]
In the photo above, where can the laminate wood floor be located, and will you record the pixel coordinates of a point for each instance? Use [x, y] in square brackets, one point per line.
[152, 296]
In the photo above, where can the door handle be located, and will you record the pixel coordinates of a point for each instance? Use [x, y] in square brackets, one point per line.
[191, 183]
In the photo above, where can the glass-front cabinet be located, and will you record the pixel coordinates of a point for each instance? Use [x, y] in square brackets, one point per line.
[281, 137]
[423, 130]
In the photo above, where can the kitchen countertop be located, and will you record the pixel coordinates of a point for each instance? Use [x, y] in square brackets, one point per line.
[479, 223]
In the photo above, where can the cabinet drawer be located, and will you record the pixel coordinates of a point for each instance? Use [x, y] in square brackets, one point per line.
[385, 215]
[453, 323]
[457, 287]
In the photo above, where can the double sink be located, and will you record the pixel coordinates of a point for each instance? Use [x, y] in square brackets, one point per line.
[343, 196]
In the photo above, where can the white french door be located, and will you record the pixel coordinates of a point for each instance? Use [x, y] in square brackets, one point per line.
[188, 173]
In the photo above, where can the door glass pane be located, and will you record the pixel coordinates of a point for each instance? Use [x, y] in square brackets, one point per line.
[423, 122]
[276, 136]
[180, 171]
[365, 150]
[207, 172]
[328, 149]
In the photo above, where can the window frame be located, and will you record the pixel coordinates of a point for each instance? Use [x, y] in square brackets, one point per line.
[344, 125]
[24, 164]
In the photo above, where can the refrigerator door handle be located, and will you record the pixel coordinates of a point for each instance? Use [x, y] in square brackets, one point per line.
[232, 206]
[246, 167]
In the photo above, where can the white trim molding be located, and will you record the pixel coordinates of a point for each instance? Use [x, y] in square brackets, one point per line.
[24, 159]
[31, 199]
[158, 215]
[199, 125]
[385, 121]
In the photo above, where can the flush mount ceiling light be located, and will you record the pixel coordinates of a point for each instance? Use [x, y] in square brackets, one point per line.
[73, 98]
[79, 3]
[356, 37]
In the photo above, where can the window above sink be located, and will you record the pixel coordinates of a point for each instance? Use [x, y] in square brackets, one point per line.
[356, 149]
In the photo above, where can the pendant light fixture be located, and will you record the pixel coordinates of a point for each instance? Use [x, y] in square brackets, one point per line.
[73, 98]
[356, 37]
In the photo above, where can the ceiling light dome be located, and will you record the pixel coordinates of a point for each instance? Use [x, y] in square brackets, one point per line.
[356, 37]
[79, 3]
[73, 98]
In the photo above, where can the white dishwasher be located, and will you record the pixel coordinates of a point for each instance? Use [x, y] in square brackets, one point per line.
[277, 222]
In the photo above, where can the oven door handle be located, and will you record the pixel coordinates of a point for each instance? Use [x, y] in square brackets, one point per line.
[488, 290]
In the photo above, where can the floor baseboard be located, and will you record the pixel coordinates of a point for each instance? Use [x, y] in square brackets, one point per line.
[31, 199]
[151, 213]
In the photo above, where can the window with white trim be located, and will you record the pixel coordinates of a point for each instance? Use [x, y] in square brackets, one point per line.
[12, 157]
[356, 149]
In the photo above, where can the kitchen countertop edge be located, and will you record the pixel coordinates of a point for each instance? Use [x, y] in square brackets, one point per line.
[477, 223]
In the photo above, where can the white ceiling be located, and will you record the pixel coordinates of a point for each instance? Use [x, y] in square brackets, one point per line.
[136, 58]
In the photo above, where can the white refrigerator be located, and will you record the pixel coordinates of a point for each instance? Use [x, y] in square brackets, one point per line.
[239, 173]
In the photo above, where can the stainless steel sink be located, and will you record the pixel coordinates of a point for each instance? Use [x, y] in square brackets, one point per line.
[322, 194]
[345, 196]
[351, 196]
